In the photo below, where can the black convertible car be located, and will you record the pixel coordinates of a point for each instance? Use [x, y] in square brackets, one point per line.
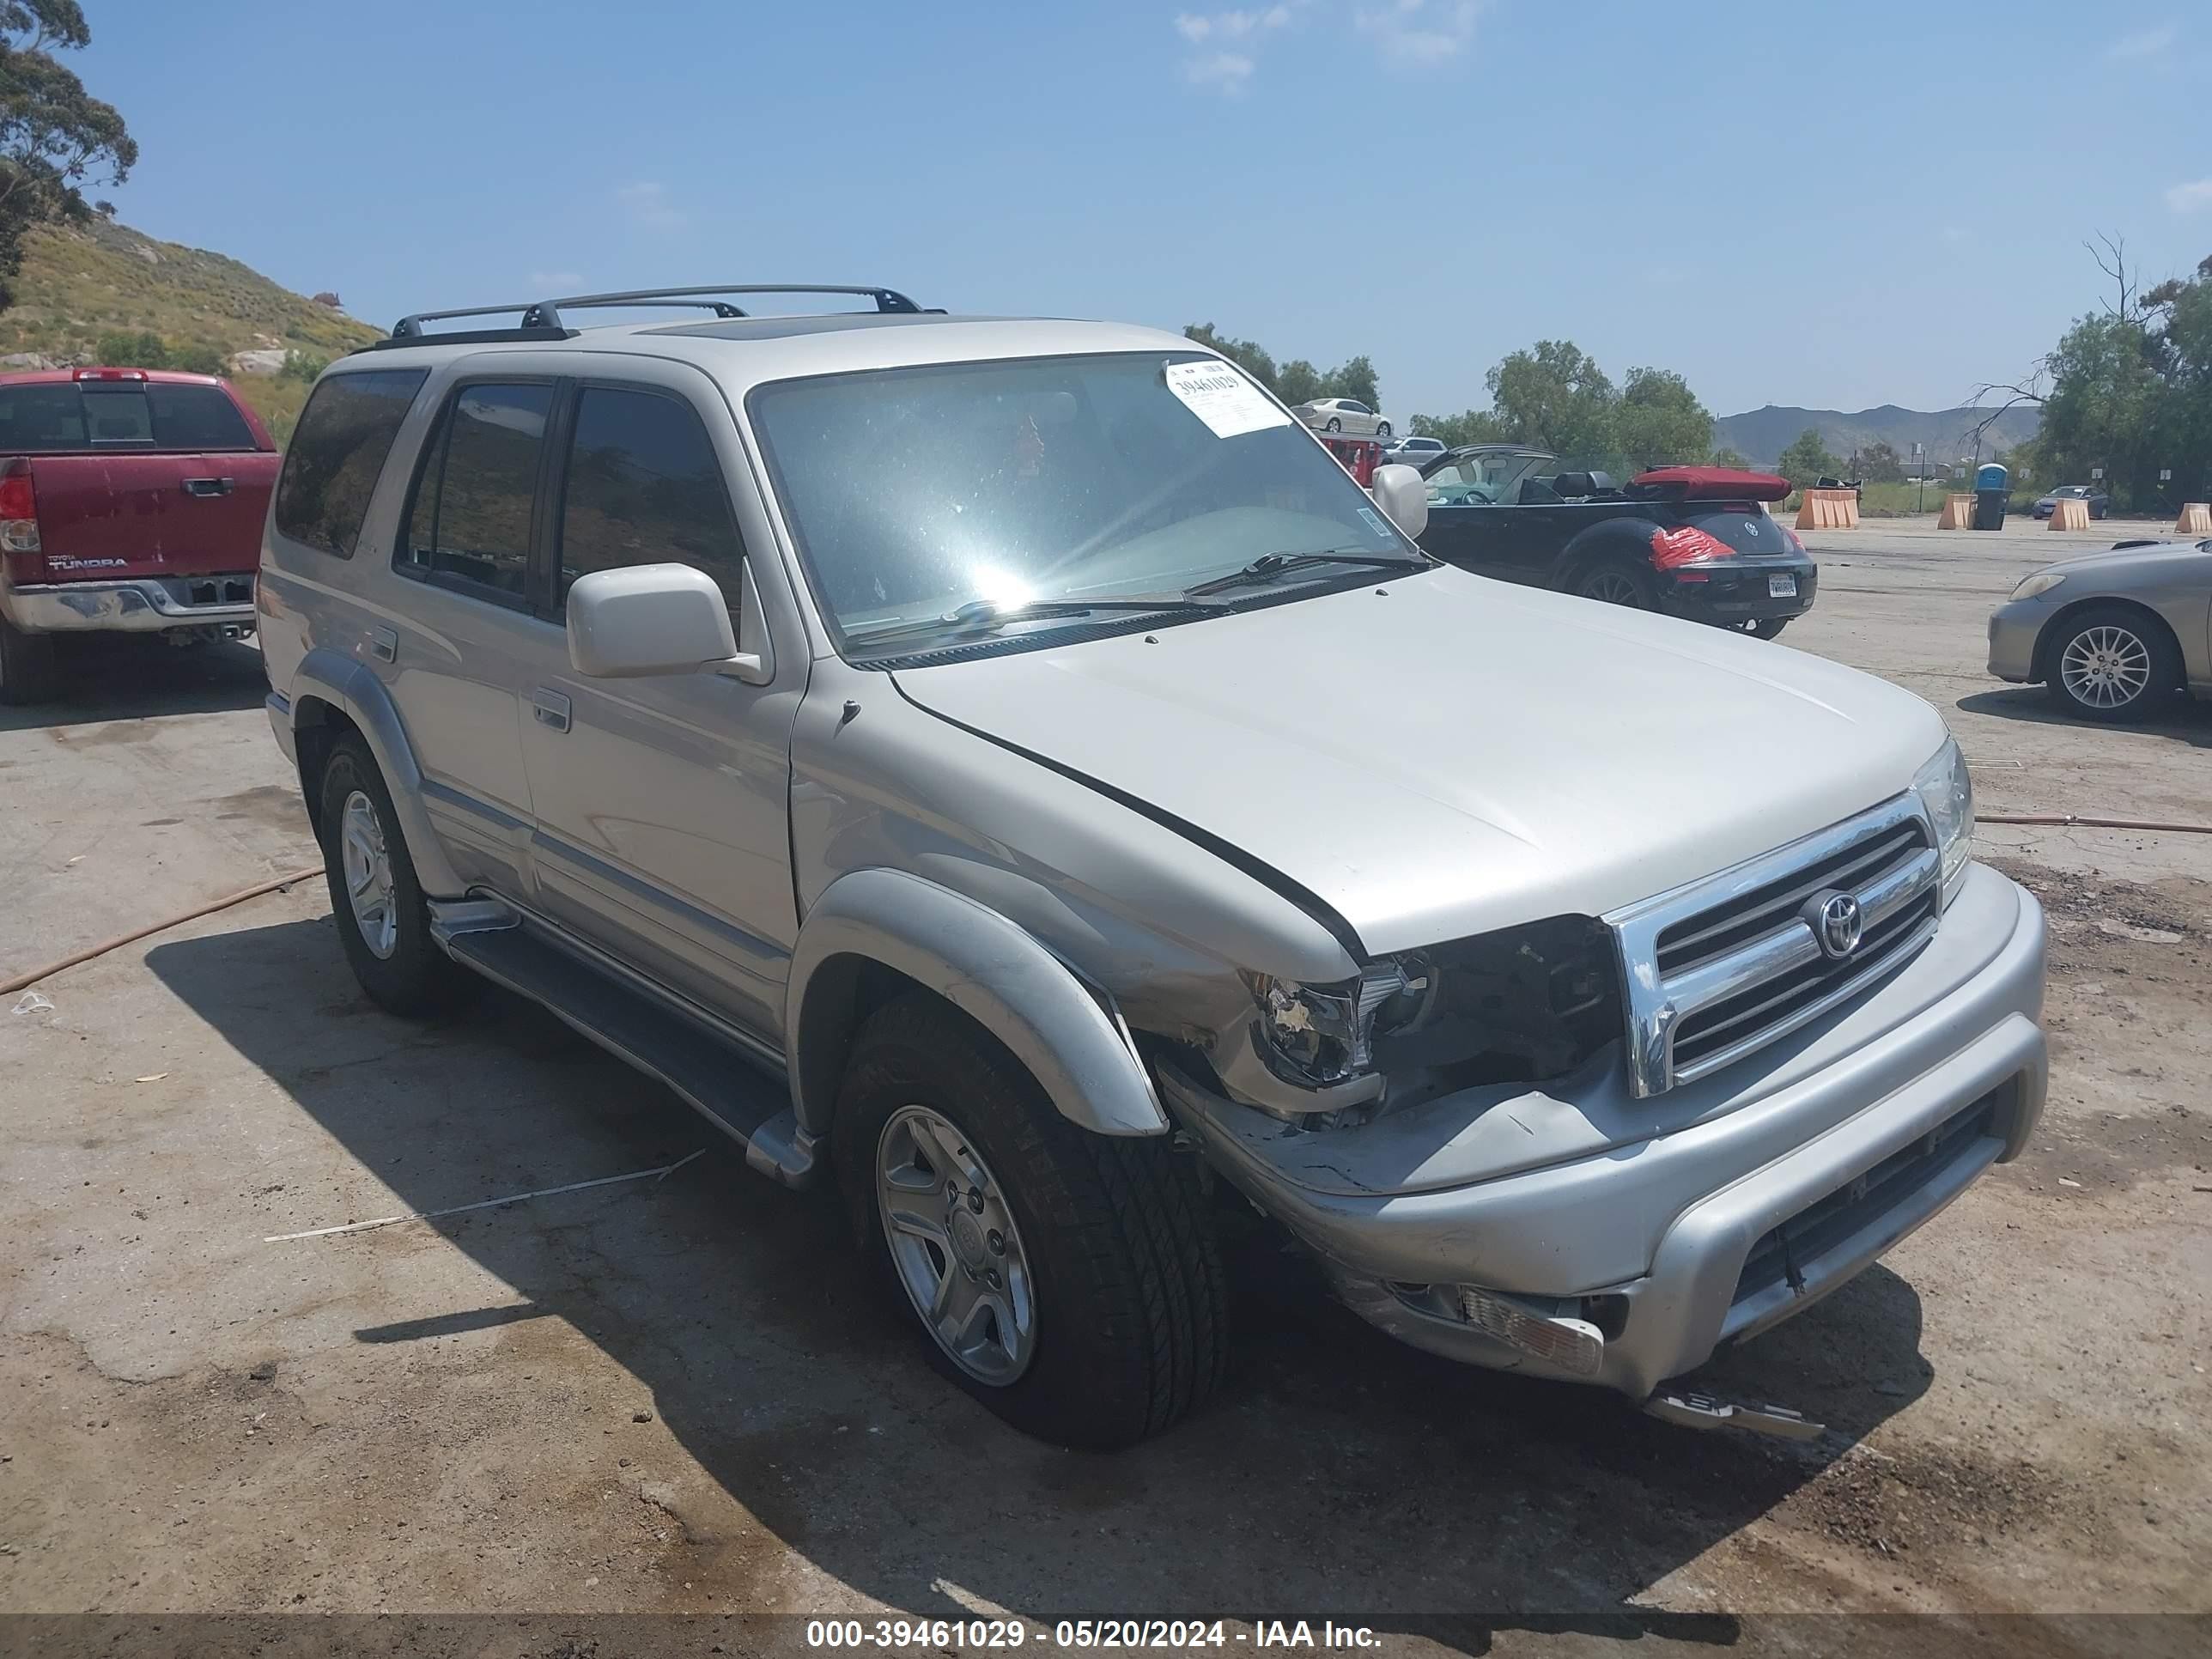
[1693, 541]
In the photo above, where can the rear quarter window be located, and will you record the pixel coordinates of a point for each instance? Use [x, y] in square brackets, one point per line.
[338, 453]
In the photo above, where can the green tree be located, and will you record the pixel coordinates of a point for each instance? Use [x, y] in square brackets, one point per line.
[1475, 426]
[55, 137]
[1808, 458]
[1298, 382]
[1879, 463]
[1726, 457]
[1354, 380]
[196, 359]
[1659, 421]
[1555, 396]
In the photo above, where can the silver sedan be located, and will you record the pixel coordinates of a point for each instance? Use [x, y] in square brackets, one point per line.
[2116, 635]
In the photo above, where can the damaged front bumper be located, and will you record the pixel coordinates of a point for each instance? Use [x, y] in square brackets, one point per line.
[1634, 1236]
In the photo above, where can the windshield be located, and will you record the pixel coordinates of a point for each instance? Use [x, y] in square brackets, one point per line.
[1046, 481]
[1485, 478]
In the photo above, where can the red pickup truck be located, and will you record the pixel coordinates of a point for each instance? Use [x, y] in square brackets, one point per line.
[131, 502]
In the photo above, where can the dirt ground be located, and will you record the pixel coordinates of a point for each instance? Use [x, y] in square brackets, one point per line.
[681, 1395]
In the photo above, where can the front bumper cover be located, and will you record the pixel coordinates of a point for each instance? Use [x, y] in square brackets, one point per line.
[2015, 628]
[1667, 1222]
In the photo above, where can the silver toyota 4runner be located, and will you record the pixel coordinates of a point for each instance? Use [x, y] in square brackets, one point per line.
[1008, 767]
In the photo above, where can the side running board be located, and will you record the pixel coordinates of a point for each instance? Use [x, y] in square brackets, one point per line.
[726, 1085]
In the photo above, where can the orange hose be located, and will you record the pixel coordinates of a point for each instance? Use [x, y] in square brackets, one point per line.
[8, 987]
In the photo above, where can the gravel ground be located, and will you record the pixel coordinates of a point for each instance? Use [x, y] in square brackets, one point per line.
[683, 1394]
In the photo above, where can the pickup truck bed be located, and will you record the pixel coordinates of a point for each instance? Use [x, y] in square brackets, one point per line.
[131, 502]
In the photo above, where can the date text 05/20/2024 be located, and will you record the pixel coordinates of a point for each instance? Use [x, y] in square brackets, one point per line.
[939, 1634]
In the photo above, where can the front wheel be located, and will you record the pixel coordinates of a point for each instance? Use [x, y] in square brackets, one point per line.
[2112, 665]
[1069, 1281]
[28, 672]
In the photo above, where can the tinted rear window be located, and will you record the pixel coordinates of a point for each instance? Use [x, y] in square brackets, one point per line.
[345, 435]
[41, 417]
[196, 417]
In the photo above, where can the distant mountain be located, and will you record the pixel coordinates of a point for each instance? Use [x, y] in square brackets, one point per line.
[1762, 435]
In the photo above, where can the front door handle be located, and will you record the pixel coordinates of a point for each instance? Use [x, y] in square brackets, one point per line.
[383, 644]
[209, 486]
[551, 708]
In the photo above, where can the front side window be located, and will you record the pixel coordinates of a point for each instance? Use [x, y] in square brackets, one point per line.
[470, 518]
[337, 453]
[644, 487]
[1042, 482]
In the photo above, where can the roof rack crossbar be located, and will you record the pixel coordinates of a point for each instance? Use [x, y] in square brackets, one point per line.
[545, 315]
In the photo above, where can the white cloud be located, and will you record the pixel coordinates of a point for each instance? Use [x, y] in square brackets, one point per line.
[1412, 34]
[1416, 33]
[2188, 198]
[649, 206]
[553, 282]
[1227, 70]
[2142, 43]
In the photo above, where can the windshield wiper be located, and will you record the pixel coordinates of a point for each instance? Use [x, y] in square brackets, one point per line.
[1268, 566]
[983, 617]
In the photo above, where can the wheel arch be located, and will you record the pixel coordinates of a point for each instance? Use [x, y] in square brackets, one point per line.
[2046, 641]
[331, 694]
[874, 932]
[1609, 538]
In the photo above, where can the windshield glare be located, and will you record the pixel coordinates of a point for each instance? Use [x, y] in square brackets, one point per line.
[913, 492]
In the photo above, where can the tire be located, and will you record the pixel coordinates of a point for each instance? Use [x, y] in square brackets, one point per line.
[1382, 430]
[1334, 425]
[1617, 581]
[403, 971]
[1127, 1303]
[1766, 627]
[28, 672]
[2108, 663]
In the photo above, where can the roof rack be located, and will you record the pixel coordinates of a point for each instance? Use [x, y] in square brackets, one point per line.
[542, 320]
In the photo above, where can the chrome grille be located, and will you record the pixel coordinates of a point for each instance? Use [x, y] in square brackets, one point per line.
[1724, 966]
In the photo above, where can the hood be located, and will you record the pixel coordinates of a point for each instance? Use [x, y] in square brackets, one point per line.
[1447, 754]
[2150, 556]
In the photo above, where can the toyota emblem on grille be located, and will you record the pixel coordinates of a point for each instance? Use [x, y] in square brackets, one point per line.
[1837, 924]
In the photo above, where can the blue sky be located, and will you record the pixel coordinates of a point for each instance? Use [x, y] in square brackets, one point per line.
[1798, 204]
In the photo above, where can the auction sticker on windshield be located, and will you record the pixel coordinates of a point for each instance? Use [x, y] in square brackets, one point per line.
[1221, 396]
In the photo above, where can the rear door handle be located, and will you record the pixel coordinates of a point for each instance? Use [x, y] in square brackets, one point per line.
[209, 486]
[551, 708]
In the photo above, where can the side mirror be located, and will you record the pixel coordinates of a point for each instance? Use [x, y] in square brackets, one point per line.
[1398, 489]
[648, 619]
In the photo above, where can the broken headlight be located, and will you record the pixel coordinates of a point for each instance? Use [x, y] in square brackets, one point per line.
[1522, 1004]
[1318, 1035]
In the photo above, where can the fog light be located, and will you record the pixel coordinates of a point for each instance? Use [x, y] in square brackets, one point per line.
[1575, 1346]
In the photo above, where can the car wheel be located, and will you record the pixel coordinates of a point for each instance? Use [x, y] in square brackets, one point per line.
[28, 669]
[1766, 627]
[375, 899]
[2111, 665]
[1617, 581]
[1382, 430]
[1070, 1281]
[1334, 425]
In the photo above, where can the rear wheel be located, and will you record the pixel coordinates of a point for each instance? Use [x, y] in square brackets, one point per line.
[2112, 664]
[1765, 628]
[1070, 1281]
[1383, 431]
[27, 669]
[1617, 581]
[1334, 425]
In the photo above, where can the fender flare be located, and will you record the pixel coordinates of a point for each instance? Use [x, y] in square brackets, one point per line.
[1066, 1033]
[338, 680]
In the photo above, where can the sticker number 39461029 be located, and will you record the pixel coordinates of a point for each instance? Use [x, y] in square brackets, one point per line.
[1220, 396]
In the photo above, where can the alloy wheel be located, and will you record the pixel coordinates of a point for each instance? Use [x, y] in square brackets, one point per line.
[2106, 666]
[367, 866]
[1611, 587]
[954, 1243]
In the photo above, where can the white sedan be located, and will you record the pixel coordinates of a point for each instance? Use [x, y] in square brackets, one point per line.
[1346, 415]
